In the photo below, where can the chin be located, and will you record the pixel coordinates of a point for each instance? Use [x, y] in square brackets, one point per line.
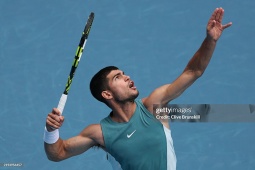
[131, 97]
[135, 95]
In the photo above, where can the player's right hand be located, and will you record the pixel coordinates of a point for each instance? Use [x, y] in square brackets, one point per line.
[54, 120]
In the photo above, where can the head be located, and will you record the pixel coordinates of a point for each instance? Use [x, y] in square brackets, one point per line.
[110, 83]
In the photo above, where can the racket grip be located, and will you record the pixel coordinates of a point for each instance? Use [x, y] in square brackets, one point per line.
[62, 102]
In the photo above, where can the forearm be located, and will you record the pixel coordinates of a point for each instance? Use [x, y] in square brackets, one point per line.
[53, 144]
[201, 58]
[55, 151]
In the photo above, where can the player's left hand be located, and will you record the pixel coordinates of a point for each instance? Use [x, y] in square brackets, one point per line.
[214, 26]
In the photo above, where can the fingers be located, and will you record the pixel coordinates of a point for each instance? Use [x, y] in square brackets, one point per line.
[217, 15]
[54, 120]
[213, 15]
[227, 25]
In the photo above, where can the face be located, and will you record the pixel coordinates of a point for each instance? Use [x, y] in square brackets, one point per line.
[121, 87]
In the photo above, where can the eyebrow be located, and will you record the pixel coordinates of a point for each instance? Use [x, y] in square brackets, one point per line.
[117, 74]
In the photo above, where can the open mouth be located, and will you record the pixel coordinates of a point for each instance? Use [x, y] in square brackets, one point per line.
[132, 85]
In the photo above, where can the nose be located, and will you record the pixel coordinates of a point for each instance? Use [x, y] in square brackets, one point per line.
[127, 78]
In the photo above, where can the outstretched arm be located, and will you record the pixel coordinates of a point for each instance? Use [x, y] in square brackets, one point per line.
[58, 149]
[202, 57]
[195, 67]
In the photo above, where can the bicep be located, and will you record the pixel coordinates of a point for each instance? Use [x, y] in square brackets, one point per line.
[175, 89]
[168, 92]
[79, 144]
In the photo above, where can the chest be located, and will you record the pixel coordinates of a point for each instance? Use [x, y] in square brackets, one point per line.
[136, 141]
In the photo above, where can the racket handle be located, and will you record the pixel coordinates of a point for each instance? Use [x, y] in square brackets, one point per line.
[62, 102]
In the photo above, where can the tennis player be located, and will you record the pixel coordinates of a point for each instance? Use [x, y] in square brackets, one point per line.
[131, 133]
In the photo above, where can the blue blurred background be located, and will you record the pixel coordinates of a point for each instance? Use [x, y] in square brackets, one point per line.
[152, 42]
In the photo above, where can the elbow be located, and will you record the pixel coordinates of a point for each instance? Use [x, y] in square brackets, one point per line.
[195, 74]
[55, 153]
[54, 159]
[198, 74]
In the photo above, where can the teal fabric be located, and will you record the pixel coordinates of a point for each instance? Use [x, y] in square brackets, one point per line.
[145, 149]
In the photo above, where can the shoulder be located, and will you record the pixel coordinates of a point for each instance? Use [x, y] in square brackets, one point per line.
[145, 101]
[93, 128]
[93, 132]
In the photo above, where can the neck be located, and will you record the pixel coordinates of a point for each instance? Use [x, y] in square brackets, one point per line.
[122, 112]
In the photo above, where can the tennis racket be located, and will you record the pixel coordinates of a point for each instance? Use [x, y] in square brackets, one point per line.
[76, 61]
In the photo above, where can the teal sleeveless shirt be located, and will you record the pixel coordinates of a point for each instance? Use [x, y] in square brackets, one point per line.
[139, 144]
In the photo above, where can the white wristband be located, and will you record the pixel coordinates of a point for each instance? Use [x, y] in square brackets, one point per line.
[51, 137]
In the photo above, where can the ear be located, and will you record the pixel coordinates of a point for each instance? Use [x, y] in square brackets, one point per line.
[106, 94]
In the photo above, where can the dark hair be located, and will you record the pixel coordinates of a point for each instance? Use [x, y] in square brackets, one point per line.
[99, 83]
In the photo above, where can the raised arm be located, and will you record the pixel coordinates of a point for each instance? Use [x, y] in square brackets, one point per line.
[57, 149]
[195, 67]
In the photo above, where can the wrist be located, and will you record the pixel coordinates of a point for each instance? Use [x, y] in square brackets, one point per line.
[49, 128]
[50, 137]
[210, 39]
